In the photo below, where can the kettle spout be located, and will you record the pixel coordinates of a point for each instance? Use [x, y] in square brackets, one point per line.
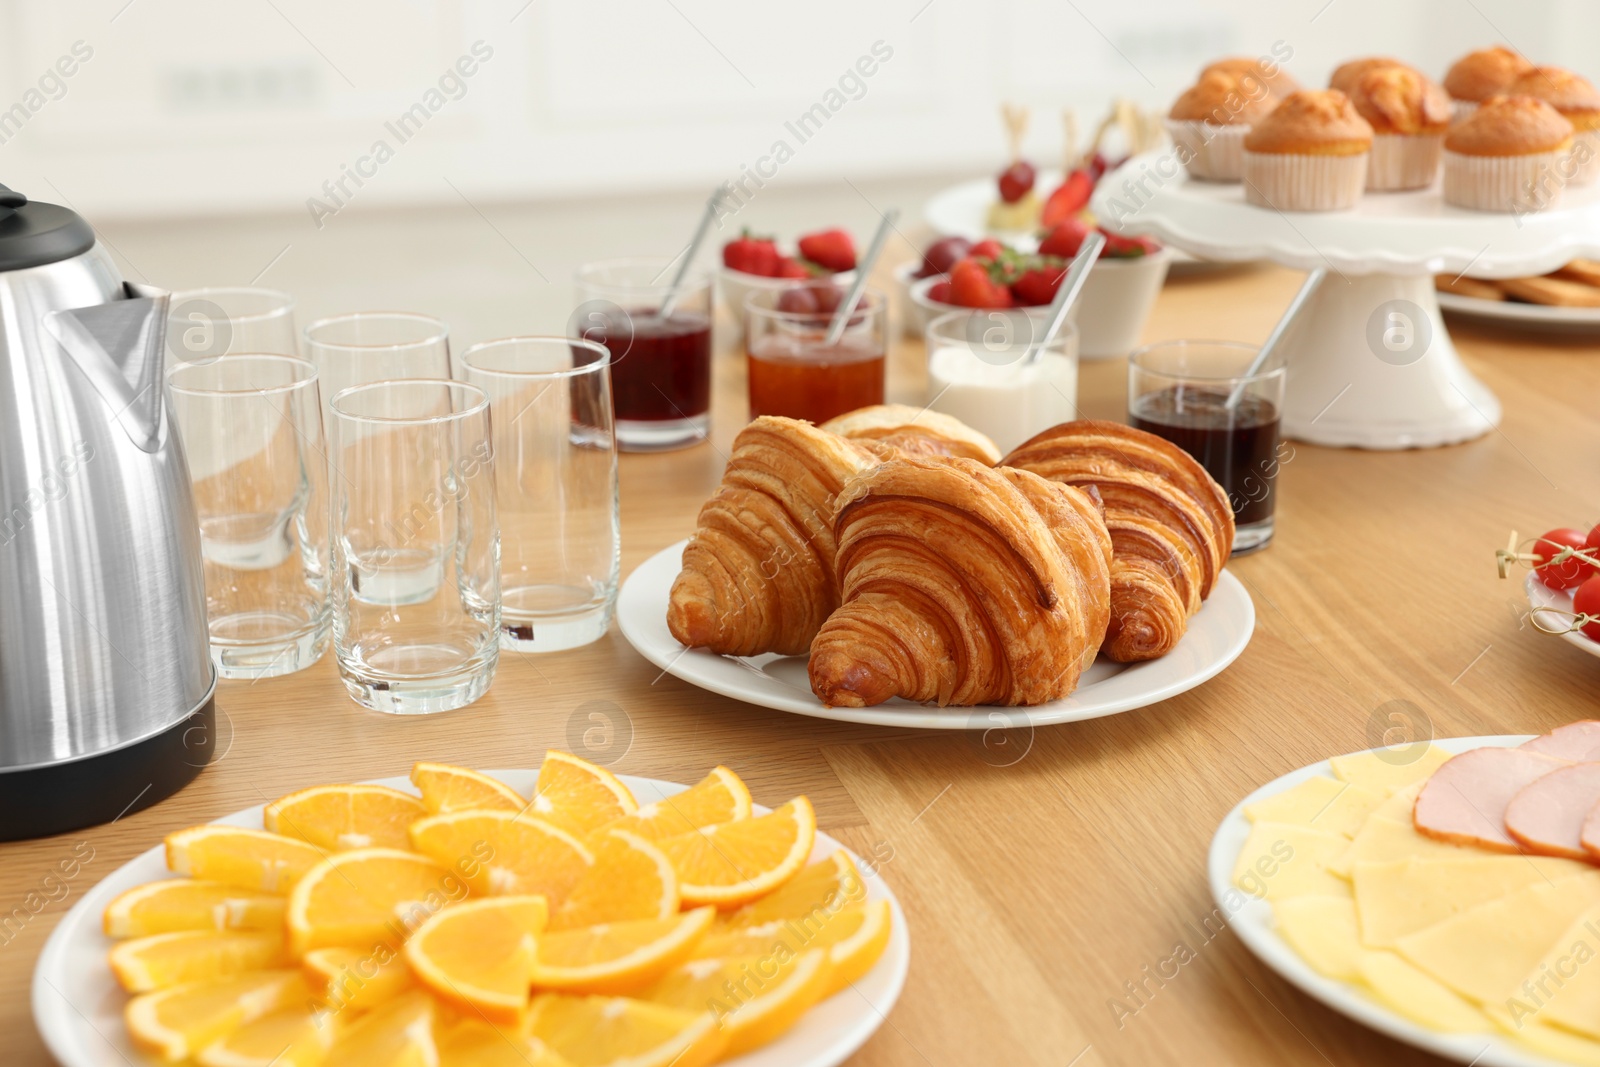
[119, 346]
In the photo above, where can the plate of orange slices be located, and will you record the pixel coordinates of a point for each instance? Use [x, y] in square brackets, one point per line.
[564, 917]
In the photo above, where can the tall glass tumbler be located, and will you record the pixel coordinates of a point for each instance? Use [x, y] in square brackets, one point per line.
[416, 545]
[556, 481]
[203, 324]
[1201, 396]
[660, 364]
[252, 430]
[377, 346]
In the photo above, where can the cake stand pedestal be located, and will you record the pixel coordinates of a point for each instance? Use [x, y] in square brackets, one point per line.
[1371, 364]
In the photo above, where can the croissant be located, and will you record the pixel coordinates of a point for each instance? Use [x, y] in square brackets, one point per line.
[962, 584]
[915, 430]
[758, 573]
[1171, 525]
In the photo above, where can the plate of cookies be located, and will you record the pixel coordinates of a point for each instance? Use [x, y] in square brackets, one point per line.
[1565, 300]
[892, 567]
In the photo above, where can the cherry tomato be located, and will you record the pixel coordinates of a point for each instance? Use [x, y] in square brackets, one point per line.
[1586, 601]
[1593, 541]
[1568, 573]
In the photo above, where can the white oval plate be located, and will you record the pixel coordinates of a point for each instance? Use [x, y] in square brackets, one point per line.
[1252, 921]
[1540, 317]
[78, 1004]
[1542, 596]
[1216, 635]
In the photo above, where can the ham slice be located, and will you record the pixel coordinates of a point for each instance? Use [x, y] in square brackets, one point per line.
[1465, 801]
[1589, 835]
[1578, 741]
[1549, 814]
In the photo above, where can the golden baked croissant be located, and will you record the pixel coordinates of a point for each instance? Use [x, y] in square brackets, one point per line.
[962, 584]
[758, 573]
[915, 430]
[1171, 525]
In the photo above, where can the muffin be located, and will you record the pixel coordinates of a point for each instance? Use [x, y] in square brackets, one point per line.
[1579, 104]
[1309, 154]
[1508, 155]
[1208, 123]
[1346, 75]
[1477, 76]
[1409, 116]
[1278, 81]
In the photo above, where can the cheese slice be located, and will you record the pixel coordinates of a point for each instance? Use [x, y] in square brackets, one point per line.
[1323, 930]
[1564, 988]
[1400, 897]
[1401, 801]
[1388, 769]
[1320, 803]
[1382, 840]
[1416, 994]
[1485, 951]
[1280, 860]
[1547, 1040]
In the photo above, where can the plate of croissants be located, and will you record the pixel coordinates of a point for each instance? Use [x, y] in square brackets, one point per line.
[892, 567]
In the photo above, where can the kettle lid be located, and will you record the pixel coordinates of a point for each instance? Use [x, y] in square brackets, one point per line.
[33, 233]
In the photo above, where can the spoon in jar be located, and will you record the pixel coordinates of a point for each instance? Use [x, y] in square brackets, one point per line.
[675, 289]
[1270, 345]
[864, 265]
[1066, 293]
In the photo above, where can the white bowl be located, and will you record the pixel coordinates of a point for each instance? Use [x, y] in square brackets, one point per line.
[914, 317]
[734, 285]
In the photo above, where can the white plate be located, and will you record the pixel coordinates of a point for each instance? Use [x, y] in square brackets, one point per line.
[78, 1005]
[1542, 596]
[1216, 635]
[1252, 921]
[1528, 316]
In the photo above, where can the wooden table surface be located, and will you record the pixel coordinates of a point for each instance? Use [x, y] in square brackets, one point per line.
[1036, 892]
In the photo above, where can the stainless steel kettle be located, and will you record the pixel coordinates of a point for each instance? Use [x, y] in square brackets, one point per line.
[106, 684]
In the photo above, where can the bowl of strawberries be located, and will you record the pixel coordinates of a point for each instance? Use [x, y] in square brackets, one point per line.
[752, 263]
[991, 276]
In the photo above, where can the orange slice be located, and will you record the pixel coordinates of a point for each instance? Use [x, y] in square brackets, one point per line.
[480, 955]
[449, 788]
[854, 936]
[806, 893]
[576, 794]
[500, 853]
[472, 1043]
[720, 797]
[176, 1023]
[733, 862]
[398, 1034]
[163, 960]
[357, 979]
[295, 1037]
[754, 999]
[630, 879]
[345, 816]
[620, 1032]
[617, 957]
[367, 897]
[188, 904]
[253, 859]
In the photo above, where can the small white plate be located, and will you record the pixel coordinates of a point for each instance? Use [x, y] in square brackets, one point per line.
[1539, 317]
[78, 1004]
[1215, 637]
[1252, 921]
[1542, 596]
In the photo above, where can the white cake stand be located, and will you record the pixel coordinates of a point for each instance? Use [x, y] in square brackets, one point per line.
[1371, 365]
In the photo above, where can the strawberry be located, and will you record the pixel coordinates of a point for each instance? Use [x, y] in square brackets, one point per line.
[1037, 285]
[1098, 165]
[971, 286]
[752, 255]
[832, 250]
[988, 248]
[789, 268]
[1016, 181]
[1119, 247]
[1063, 240]
[1070, 197]
[939, 293]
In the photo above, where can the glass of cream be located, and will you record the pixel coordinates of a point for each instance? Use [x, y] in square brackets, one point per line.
[987, 369]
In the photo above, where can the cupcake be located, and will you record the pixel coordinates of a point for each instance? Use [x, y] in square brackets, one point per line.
[1346, 75]
[1579, 104]
[1278, 81]
[1309, 154]
[1477, 76]
[1208, 124]
[1409, 116]
[1507, 156]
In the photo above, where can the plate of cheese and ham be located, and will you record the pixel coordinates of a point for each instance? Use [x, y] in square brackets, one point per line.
[1442, 893]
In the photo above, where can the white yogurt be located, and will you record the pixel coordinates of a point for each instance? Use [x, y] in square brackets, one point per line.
[1009, 402]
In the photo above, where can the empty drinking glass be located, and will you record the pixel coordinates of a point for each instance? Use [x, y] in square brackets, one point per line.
[416, 548]
[252, 430]
[203, 324]
[556, 475]
[377, 346]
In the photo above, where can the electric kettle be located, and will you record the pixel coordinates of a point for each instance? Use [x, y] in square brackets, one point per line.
[106, 684]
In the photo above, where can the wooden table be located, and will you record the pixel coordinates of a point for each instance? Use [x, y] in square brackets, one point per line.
[1038, 894]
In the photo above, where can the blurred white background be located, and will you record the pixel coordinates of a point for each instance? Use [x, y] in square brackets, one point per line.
[198, 132]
